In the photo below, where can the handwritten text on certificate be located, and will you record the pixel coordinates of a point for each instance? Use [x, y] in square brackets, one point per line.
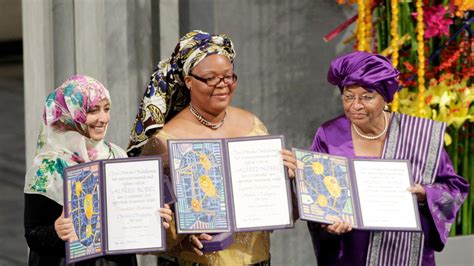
[133, 198]
[384, 198]
[258, 183]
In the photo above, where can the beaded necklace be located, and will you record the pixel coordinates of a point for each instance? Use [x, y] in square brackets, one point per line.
[203, 121]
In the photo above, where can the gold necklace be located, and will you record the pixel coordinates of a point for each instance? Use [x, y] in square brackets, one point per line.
[372, 137]
[203, 121]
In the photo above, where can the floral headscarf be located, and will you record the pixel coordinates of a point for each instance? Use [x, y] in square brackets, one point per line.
[70, 102]
[61, 142]
[166, 93]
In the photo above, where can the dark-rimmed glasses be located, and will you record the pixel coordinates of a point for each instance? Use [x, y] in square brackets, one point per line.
[214, 81]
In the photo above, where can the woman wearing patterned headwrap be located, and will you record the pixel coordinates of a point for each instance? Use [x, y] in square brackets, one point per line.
[166, 94]
[189, 97]
[367, 83]
[75, 120]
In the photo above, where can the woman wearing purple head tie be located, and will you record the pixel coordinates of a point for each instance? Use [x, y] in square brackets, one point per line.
[367, 83]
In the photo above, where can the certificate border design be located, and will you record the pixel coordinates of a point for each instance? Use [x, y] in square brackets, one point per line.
[174, 144]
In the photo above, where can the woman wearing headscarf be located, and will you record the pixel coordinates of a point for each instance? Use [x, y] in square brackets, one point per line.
[75, 120]
[189, 97]
[367, 83]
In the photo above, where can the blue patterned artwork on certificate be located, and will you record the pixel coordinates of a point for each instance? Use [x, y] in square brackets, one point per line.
[324, 189]
[200, 186]
[84, 208]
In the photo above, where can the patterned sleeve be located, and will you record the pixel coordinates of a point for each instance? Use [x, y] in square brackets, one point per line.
[444, 198]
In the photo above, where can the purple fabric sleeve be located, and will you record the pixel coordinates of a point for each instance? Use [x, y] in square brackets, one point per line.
[444, 198]
[319, 142]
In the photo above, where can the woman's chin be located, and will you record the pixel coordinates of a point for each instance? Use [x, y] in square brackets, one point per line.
[97, 136]
[221, 97]
[360, 123]
[219, 106]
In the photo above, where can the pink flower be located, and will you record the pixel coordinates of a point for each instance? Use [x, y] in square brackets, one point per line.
[435, 22]
[79, 117]
[60, 98]
[93, 102]
[57, 112]
[52, 114]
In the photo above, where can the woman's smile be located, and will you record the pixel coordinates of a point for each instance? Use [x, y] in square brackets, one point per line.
[221, 95]
[358, 116]
[98, 128]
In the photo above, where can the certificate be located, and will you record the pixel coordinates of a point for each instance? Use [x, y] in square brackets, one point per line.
[230, 185]
[371, 194]
[113, 205]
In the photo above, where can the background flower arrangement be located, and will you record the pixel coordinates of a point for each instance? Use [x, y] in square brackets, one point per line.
[431, 43]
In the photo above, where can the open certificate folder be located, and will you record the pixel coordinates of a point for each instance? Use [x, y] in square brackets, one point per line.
[230, 185]
[371, 194]
[114, 207]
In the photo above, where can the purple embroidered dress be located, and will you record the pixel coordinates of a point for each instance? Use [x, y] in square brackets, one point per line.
[420, 141]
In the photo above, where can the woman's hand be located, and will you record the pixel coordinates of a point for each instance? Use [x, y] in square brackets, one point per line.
[64, 228]
[419, 192]
[289, 161]
[167, 215]
[337, 228]
[193, 243]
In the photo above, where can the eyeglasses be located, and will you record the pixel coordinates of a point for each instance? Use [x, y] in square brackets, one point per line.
[364, 99]
[214, 81]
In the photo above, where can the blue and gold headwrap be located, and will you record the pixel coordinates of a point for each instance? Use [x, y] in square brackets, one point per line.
[166, 93]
